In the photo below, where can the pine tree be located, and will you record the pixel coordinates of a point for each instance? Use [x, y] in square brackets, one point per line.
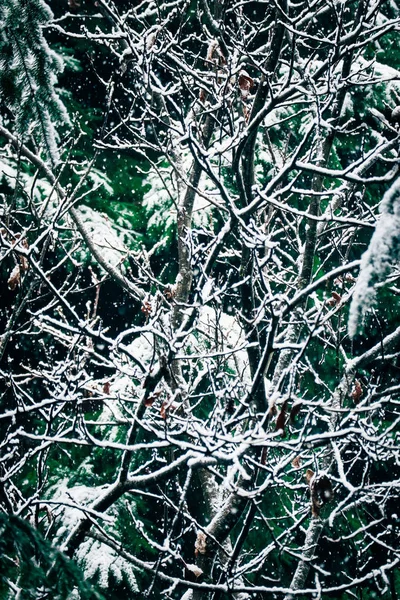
[31, 568]
[28, 75]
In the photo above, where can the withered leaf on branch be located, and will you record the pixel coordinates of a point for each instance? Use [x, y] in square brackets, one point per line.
[296, 408]
[334, 300]
[272, 411]
[356, 392]
[321, 492]
[194, 569]
[200, 543]
[168, 406]
[202, 95]
[296, 462]
[245, 83]
[23, 262]
[15, 278]
[309, 475]
[146, 308]
[211, 50]
[170, 292]
[280, 421]
[214, 54]
[350, 278]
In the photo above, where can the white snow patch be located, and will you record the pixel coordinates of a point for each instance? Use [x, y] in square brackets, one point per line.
[96, 559]
[187, 595]
[71, 500]
[104, 235]
[99, 560]
[143, 348]
[377, 261]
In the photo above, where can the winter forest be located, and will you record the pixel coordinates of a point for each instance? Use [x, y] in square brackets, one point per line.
[200, 299]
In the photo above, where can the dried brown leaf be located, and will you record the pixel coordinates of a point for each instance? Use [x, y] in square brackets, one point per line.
[200, 544]
[15, 278]
[211, 50]
[296, 408]
[245, 82]
[146, 308]
[334, 300]
[170, 292]
[272, 410]
[296, 462]
[356, 392]
[309, 475]
[163, 410]
[168, 406]
[280, 421]
[194, 569]
[23, 262]
[214, 54]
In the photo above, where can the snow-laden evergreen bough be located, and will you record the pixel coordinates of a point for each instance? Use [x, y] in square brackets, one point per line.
[381, 258]
[28, 74]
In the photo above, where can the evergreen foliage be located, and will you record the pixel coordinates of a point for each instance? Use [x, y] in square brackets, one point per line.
[31, 568]
[28, 74]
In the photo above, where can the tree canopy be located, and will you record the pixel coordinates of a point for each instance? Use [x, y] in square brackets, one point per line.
[199, 349]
